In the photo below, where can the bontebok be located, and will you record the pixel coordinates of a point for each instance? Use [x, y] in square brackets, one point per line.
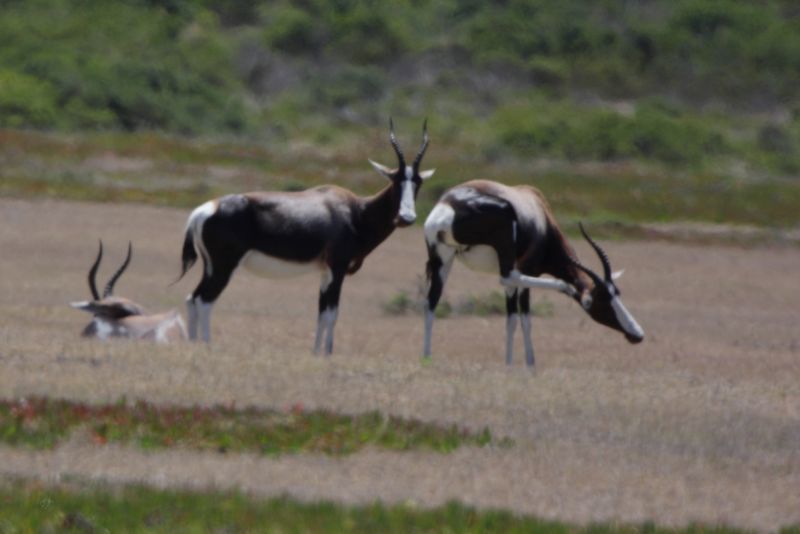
[120, 317]
[496, 228]
[327, 230]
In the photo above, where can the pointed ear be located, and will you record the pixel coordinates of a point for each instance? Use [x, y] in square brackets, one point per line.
[426, 174]
[84, 305]
[617, 274]
[384, 170]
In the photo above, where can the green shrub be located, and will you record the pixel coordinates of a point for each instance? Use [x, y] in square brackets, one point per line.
[347, 86]
[120, 64]
[364, 34]
[26, 100]
[399, 304]
[292, 30]
[579, 133]
[492, 303]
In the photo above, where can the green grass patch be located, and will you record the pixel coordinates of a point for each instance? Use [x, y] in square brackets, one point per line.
[79, 507]
[483, 304]
[171, 171]
[42, 423]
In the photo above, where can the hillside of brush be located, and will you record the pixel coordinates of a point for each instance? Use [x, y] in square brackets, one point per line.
[653, 108]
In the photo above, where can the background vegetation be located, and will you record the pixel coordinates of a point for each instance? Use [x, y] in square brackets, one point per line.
[621, 111]
[645, 104]
[78, 507]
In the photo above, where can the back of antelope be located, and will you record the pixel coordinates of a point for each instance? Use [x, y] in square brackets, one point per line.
[123, 318]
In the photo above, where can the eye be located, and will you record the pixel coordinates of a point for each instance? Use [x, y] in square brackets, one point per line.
[612, 290]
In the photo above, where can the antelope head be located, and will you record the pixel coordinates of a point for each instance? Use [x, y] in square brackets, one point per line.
[108, 309]
[406, 179]
[603, 302]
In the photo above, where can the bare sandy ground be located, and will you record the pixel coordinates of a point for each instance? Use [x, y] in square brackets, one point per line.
[701, 422]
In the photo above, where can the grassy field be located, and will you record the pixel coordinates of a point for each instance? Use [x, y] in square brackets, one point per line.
[698, 424]
[671, 128]
[80, 507]
[44, 423]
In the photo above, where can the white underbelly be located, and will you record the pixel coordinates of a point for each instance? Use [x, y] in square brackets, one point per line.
[270, 267]
[481, 258]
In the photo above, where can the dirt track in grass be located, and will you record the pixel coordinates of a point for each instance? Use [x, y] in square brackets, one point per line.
[701, 422]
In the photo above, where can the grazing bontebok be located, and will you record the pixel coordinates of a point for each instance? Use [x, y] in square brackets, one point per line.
[120, 317]
[327, 230]
[508, 230]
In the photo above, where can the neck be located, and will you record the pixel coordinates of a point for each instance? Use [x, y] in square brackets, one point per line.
[377, 217]
[560, 265]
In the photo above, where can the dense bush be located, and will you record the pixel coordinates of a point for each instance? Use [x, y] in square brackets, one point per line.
[25, 100]
[604, 134]
[122, 65]
[203, 66]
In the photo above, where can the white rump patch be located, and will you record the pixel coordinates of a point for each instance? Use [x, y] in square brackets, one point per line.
[195, 224]
[440, 220]
[625, 318]
[270, 267]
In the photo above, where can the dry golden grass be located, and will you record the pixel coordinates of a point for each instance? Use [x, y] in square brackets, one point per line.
[701, 422]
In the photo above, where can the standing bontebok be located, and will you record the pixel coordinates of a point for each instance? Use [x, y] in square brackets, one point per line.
[508, 230]
[327, 230]
[120, 317]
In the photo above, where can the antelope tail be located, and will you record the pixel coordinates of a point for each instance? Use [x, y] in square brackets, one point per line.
[189, 254]
[193, 239]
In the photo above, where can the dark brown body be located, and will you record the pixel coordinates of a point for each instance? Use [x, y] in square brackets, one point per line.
[326, 229]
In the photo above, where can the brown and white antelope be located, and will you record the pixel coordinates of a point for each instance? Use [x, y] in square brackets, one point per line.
[326, 229]
[495, 228]
[120, 317]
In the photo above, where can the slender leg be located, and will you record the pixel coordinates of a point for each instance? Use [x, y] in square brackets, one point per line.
[515, 279]
[191, 313]
[512, 317]
[204, 315]
[203, 298]
[322, 323]
[525, 319]
[440, 260]
[329, 293]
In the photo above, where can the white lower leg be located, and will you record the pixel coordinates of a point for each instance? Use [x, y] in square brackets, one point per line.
[426, 347]
[204, 316]
[321, 323]
[515, 279]
[525, 321]
[511, 327]
[191, 314]
[332, 314]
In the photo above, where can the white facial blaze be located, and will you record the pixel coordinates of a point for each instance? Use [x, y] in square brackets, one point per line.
[625, 318]
[407, 210]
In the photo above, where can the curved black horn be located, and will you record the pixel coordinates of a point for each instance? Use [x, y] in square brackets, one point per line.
[600, 252]
[593, 275]
[424, 146]
[113, 280]
[93, 273]
[393, 139]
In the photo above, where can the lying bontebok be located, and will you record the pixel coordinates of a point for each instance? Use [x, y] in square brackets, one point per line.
[327, 230]
[497, 228]
[120, 317]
